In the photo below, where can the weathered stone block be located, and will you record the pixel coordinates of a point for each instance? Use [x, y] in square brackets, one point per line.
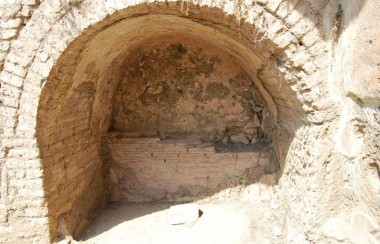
[10, 24]
[9, 78]
[183, 214]
[16, 69]
[273, 5]
[8, 33]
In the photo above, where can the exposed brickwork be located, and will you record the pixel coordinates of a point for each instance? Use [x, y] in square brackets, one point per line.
[147, 169]
[64, 139]
[13, 17]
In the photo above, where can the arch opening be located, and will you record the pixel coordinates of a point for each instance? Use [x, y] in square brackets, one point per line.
[186, 122]
[160, 89]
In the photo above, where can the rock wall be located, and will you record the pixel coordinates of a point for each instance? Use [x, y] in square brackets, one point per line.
[313, 63]
[180, 87]
[345, 209]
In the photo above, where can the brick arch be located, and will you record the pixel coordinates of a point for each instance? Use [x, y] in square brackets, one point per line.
[285, 81]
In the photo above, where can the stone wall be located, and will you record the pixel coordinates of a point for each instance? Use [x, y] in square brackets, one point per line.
[154, 170]
[60, 64]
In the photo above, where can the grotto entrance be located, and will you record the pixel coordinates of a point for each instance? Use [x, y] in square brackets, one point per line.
[187, 123]
[157, 108]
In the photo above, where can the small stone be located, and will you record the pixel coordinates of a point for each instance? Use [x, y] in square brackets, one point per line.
[179, 89]
[250, 131]
[253, 123]
[25, 12]
[9, 33]
[183, 214]
[225, 141]
[277, 231]
[29, 2]
[155, 90]
[240, 138]
[11, 24]
[254, 140]
[257, 109]
[66, 240]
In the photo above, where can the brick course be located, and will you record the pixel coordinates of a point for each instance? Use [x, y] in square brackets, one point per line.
[168, 167]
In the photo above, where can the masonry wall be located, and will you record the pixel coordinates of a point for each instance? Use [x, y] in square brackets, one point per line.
[149, 169]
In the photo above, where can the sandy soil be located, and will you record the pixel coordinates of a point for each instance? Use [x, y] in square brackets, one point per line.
[149, 223]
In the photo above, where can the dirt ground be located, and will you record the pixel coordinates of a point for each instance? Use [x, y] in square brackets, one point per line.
[219, 223]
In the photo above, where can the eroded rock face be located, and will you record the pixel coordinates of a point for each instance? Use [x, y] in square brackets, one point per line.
[214, 128]
[183, 88]
[361, 71]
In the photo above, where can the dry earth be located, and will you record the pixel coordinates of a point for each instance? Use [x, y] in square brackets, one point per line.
[149, 223]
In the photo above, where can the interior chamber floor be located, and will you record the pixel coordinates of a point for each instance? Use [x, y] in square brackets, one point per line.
[150, 223]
